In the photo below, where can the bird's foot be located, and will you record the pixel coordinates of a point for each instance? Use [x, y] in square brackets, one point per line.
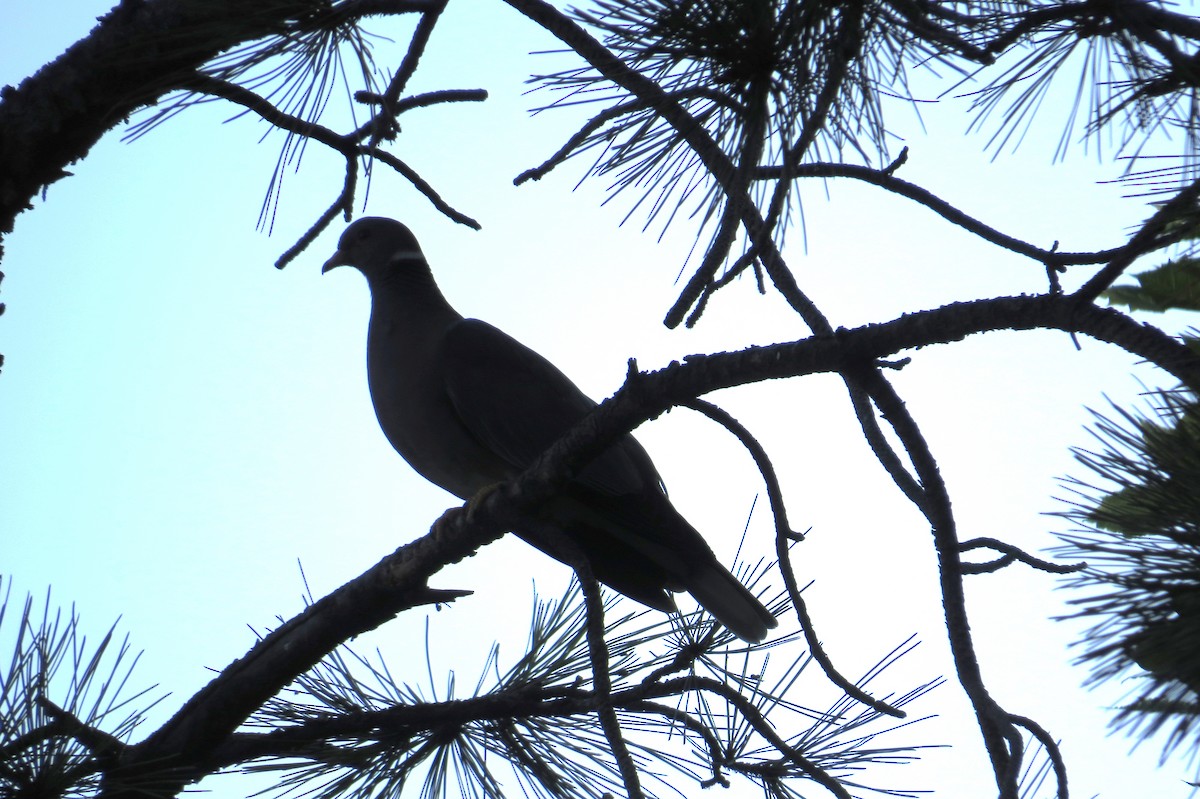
[477, 500]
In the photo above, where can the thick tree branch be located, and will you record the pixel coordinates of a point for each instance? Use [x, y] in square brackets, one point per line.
[400, 581]
[522, 704]
[396, 583]
[54, 117]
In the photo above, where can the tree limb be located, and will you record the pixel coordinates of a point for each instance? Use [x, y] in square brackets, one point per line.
[399, 581]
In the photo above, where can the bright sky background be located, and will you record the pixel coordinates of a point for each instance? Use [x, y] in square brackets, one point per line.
[182, 422]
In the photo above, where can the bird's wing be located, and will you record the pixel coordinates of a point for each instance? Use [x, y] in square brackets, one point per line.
[517, 403]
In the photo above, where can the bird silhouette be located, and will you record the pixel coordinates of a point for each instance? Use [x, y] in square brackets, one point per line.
[468, 407]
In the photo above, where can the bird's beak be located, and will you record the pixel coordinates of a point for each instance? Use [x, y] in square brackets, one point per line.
[338, 259]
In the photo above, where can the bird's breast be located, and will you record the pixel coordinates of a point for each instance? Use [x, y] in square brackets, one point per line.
[408, 392]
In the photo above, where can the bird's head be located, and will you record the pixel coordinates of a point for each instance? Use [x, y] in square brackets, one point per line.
[375, 245]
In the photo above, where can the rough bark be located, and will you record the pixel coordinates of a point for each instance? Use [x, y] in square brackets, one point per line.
[138, 52]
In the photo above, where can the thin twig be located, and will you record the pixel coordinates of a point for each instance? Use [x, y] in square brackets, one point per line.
[97, 741]
[991, 718]
[420, 185]
[760, 724]
[348, 146]
[215, 87]
[1012, 554]
[601, 677]
[698, 284]
[732, 273]
[519, 750]
[1147, 239]
[694, 725]
[951, 213]
[343, 205]
[585, 138]
[887, 456]
[784, 538]
[1051, 747]
[408, 65]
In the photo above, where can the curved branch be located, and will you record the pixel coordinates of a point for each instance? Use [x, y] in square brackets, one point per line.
[694, 725]
[886, 180]
[200, 83]
[784, 538]
[54, 117]
[400, 581]
[881, 447]
[420, 185]
[347, 145]
[917, 16]
[1039, 17]
[1012, 554]
[937, 510]
[1051, 747]
[342, 204]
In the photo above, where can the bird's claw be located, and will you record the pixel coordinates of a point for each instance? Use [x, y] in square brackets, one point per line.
[480, 497]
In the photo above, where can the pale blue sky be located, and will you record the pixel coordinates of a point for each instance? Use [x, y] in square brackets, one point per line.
[183, 422]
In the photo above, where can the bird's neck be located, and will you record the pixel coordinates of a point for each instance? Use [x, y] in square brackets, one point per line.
[411, 301]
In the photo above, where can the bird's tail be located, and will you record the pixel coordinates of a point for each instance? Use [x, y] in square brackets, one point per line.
[720, 593]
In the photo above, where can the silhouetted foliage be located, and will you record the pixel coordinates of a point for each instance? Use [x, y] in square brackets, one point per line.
[710, 115]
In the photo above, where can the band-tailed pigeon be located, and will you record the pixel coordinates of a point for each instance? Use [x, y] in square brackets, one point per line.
[467, 406]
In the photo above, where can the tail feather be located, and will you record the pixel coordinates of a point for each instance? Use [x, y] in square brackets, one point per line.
[720, 593]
